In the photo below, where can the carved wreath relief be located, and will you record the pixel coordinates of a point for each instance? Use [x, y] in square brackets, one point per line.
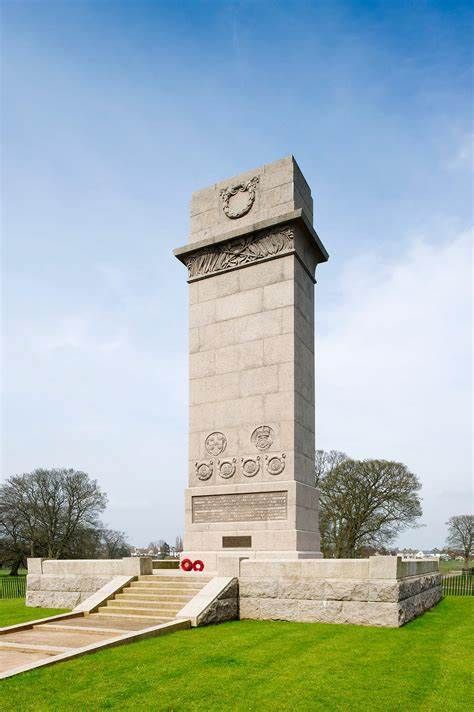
[227, 468]
[276, 465]
[204, 470]
[262, 439]
[238, 200]
[240, 251]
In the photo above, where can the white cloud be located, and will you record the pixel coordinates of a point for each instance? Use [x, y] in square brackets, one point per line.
[394, 371]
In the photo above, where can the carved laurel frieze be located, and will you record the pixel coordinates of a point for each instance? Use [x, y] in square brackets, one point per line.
[240, 251]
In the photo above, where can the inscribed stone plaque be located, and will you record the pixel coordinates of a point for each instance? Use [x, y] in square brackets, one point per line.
[236, 542]
[248, 507]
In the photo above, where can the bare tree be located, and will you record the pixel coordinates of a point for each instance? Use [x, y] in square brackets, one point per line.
[114, 544]
[47, 512]
[325, 461]
[461, 536]
[365, 504]
[178, 544]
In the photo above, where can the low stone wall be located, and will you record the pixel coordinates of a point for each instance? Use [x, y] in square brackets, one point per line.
[64, 583]
[375, 591]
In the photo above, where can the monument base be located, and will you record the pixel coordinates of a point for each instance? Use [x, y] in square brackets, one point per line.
[380, 591]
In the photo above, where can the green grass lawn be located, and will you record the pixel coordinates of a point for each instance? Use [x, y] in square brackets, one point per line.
[260, 665]
[445, 566]
[13, 610]
[6, 572]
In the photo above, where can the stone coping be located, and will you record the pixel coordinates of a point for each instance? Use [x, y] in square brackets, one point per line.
[294, 216]
[375, 567]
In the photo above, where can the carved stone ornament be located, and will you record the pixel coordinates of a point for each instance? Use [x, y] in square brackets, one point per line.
[240, 251]
[227, 468]
[276, 465]
[262, 437]
[216, 443]
[204, 470]
[238, 200]
[250, 467]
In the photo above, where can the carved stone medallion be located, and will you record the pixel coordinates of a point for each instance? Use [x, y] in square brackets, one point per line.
[262, 437]
[204, 470]
[250, 467]
[276, 465]
[240, 251]
[238, 200]
[227, 468]
[216, 443]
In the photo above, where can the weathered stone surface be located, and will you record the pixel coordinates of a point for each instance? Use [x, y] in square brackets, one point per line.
[301, 588]
[249, 608]
[384, 590]
[368, 613]
[414, 606]
[51, 582]
[284, 609]
[258, 588]
[319, 611]
[33, 582]
[220, 611]
[53, 599]
[357, 601]
[346, 590]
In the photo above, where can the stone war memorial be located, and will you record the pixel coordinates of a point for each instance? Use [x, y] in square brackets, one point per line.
[251, 508]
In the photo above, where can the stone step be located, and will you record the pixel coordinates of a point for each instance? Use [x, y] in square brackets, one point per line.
[144, 605]
[107, 632]
[106, 623]
[159, 586]
[144, 596]
[193, 578]
[69, 638]
[133, 613]
[34, 648]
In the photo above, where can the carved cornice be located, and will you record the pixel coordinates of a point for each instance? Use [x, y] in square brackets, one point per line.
[239, 252]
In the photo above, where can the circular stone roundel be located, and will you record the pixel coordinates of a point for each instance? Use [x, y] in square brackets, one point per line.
[276, 465]
[204, 471]
[250, 467]
[216, 443]
[262, 437]
[238, 200]
[227, 469]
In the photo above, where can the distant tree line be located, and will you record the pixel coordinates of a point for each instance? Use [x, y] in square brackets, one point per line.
[364, 504]
[55, 514]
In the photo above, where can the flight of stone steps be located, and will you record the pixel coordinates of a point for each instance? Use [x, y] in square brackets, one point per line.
[146, 602]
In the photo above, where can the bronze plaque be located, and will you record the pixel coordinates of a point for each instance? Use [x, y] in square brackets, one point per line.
[245, 507]
[236, 542]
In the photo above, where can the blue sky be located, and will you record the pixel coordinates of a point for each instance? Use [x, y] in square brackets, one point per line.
[114, 112]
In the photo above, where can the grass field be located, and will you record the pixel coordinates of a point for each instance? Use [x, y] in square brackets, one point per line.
[276, 666]
[13, 610]
[445, 566]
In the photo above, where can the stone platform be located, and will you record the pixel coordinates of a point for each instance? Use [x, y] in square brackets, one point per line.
[380, 591]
